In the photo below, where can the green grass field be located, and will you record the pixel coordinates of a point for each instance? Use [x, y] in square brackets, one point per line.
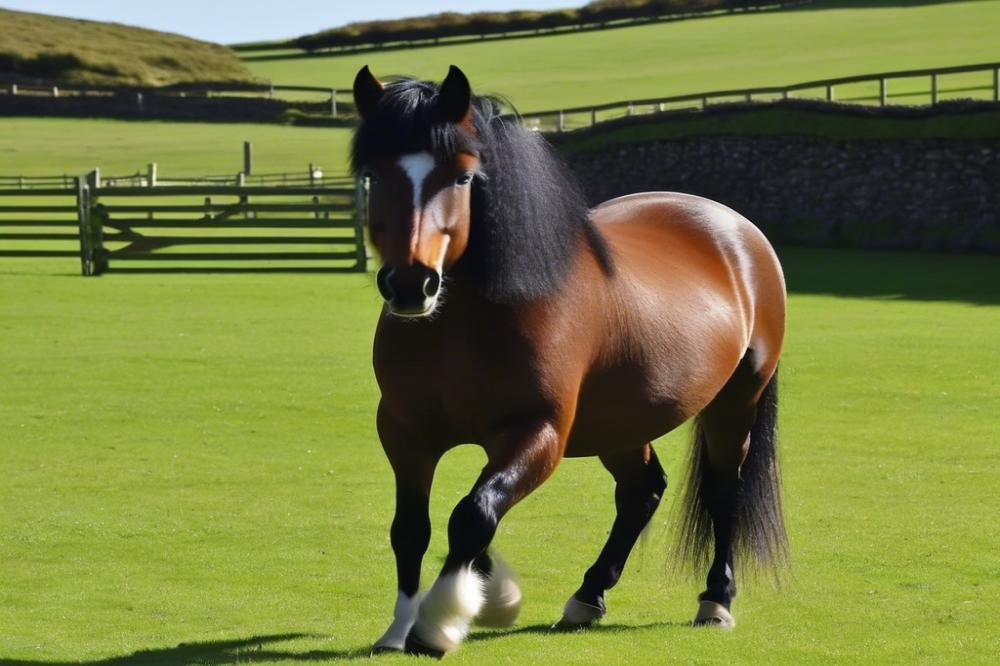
[191, 475]
[191, 472]
[52, 146]
[825, 40]
[828, 39]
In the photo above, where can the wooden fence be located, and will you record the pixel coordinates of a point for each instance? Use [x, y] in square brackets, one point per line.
[202, 226]
[560, 120]
[338, 99]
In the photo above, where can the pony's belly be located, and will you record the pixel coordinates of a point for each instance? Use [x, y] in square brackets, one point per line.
[609, 421]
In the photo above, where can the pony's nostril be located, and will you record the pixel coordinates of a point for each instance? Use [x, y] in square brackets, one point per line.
[382, 280]
[432, 283]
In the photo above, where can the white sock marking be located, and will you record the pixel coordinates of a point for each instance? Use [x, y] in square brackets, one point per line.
[404, 615]
[448, 608]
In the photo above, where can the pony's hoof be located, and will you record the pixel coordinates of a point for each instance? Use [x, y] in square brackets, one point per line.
[578, 615]
[384, 649]
[712, 614]
[501, 612]
[503, 598]
[417, 646]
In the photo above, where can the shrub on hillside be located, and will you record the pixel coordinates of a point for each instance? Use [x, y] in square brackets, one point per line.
[453, 24]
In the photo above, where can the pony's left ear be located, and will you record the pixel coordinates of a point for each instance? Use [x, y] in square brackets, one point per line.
[455, 96]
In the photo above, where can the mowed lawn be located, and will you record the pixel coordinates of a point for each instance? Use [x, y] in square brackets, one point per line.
[826, 40]
[191, 475]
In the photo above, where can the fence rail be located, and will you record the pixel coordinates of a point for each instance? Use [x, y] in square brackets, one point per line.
[585, 116]
[335, 101]
[321, 227]
[311, 177]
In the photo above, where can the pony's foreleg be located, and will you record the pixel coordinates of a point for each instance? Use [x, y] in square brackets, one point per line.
[520, 459]
[502, 595]
[411, 528]
[639, 485]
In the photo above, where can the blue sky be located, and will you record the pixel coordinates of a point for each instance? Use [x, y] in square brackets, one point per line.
[228, 21]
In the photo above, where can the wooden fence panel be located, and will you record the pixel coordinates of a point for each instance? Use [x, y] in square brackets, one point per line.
[38, 217]
[556, 119]
[317, 227]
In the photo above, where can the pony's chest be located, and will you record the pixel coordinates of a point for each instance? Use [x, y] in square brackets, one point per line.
[455, 378]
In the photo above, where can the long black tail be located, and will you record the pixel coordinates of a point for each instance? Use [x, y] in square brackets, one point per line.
[759, 539]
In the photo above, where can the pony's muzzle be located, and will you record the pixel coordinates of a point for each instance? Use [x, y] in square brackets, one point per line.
[409, 292]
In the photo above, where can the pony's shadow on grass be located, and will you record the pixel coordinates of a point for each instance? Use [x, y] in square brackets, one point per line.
[235, 651]
[259, 649]
[547, 630]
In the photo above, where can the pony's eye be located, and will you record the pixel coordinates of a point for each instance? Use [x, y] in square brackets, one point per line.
[464, 179]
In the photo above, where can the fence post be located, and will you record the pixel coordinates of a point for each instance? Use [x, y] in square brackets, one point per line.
[151, 174]
[83, 217]
[562, 121]
[593, 117]
[360, 220]
[829, 92]
[333, 102]
[13, 89]
[95, 225]
[138, 101]
[241, 181]
[934, 89]
[247, 158]
[996, 84]
[55, 91]
[882, 91]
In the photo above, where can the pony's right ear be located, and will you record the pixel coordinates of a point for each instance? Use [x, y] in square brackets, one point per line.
[367, 91]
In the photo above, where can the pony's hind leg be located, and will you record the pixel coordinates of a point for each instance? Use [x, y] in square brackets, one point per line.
[732, 499]
[521, 457]
[639, 485]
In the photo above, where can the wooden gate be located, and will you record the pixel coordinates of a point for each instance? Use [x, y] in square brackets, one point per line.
[207, 227]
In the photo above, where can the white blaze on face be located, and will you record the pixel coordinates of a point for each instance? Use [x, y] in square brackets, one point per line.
[416, 166]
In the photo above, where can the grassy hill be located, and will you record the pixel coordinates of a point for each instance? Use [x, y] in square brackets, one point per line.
[52, 48]
[824, 40]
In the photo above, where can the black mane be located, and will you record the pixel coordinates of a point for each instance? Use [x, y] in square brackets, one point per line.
[528, 210]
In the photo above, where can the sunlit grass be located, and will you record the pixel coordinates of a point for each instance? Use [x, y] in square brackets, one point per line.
[192, 459]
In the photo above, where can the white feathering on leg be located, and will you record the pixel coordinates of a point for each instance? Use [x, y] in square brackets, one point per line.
[503, 596]
[448, 608]
[404, 615]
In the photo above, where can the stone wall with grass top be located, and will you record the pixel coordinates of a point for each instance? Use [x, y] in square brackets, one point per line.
[899, 193]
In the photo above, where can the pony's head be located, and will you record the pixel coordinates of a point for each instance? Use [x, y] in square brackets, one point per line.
[458, 187]
[419, 146]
